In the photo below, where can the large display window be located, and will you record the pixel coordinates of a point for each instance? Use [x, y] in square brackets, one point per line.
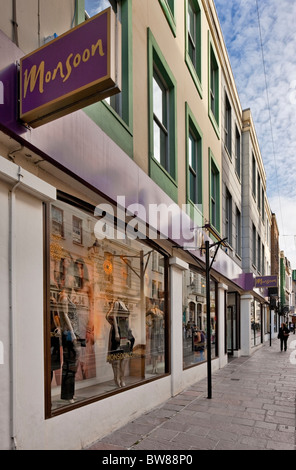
[256, 323]
[106, 309]
[195, 318]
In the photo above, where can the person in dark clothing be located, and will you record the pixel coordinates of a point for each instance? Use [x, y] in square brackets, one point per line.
[283, 336]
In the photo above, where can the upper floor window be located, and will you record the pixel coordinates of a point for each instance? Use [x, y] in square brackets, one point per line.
[258, 192]
[263, 205]
[168, 7]
[237, 152]
[193, 167]
[228, 217]
[227, 124]
[213, 88]
[259, 254]
[254, 176]
[193, 41]
[162, 119]
[215, 196]
[254, 259]
[194, 162]
[238, 246]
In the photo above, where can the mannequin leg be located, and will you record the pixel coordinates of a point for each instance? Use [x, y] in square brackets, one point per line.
[154, 364]
[123, 367]
[116, 372]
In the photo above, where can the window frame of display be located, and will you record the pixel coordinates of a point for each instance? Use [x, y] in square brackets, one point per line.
[89, 209]
[194, 269]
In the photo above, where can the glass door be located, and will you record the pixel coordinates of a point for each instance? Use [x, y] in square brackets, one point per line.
[230, 331]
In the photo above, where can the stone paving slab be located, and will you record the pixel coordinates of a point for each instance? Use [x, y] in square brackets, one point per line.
[253, 407]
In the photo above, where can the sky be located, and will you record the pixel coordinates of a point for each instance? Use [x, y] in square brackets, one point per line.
[95, 6]
[263, 61]
[265, 78]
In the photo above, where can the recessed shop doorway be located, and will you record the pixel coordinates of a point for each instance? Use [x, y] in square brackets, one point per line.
[232, 324]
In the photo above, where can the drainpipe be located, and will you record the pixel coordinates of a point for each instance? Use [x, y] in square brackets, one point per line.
[14, 23]
[12, 307]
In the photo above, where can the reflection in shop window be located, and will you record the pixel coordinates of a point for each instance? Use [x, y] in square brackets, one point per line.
[107, 312]
[77, 230]
[195, 318]
[57, 224]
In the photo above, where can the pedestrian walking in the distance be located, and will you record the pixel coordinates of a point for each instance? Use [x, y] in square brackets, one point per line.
[283, 336]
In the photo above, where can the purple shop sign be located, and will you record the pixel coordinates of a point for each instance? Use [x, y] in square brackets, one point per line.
[78, 68]
[266, 281]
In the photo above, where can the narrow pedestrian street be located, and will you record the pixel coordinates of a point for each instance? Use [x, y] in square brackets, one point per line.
[253, 408]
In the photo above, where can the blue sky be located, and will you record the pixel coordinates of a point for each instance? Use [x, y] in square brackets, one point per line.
[274, 114]
[94, 6]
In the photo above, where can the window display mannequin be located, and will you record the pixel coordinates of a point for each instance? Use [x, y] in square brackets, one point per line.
[69, 334]
[55, 336]
[118, 354]
[155, 333]
[83, 299]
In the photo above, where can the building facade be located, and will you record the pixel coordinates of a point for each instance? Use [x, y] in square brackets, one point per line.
[105, 214]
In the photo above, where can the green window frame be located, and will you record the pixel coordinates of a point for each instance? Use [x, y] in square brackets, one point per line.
[237, 152]
[238, 228]
[162, 120]
[168, 7]
[263, 205]
[116, 117]
[228, 126]
[214, 87]
[193, 41]
[254, 246]
[228, 217]
[253, 176]
[215, 198]
[259, 192]
[194, 158]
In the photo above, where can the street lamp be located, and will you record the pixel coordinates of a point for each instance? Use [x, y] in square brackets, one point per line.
[208, 297]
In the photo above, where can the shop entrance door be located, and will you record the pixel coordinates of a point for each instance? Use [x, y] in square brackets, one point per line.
[230, 331]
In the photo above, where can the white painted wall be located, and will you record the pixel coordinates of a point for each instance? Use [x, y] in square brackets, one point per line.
[4, 323]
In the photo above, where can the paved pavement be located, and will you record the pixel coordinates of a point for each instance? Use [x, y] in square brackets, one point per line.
[253, 408]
